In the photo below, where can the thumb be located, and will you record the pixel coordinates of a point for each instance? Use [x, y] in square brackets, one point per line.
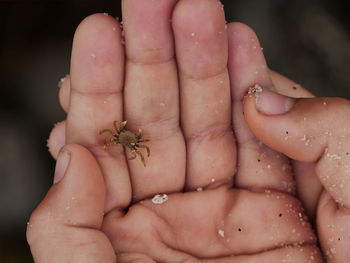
[65, 227]
[311, 130]
[307, 130]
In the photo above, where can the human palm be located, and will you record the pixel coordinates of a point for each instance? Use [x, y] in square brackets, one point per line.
[230, 198]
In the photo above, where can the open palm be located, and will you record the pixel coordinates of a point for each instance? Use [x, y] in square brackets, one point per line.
[181, 77]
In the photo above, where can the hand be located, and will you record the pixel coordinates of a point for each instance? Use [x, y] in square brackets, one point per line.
[253, 216]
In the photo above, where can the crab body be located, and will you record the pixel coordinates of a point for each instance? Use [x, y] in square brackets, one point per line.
[128, 139]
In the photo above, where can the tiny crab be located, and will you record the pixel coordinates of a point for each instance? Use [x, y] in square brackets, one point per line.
[128, 139]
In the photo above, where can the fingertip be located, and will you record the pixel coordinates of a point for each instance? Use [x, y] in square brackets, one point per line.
[200, 38]
[79, 194]
[99, 24]
[84, 168]
[292, 133]
[195, 14]
[97, 48]
[100, 20]
[305, 131]
[57, 139]
[239, 28]
[247, 64]
[148, 35]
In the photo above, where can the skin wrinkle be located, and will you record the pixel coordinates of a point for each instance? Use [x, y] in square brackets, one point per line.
[151, 62]
[262, 252]
[97, 92]
[171, 124]
[188, 76]
[213, 132]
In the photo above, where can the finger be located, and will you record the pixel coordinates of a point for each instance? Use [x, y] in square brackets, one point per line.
[57, 139]
[259, 166]
[65, 226]
[151, 97]
[288, 87]
[201, 50]
[318, 131]
[97, 70]
[64, 92]
[308, 186]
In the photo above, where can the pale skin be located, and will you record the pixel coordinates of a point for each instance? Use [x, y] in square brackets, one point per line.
[191, 109]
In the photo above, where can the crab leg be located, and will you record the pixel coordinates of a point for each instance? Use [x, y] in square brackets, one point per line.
[133, 155]
[106, 130]
[144, 146]
[142, 158]
[139, 136]
[108, 142]
[115, 126]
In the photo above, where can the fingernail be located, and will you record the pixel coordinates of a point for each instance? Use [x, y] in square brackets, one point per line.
[61, 165]
[271, 103]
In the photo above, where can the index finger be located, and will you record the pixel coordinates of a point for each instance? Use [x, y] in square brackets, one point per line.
[97, 72]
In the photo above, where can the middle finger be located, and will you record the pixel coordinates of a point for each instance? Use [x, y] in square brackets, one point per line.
[151, 97]
[201, 51]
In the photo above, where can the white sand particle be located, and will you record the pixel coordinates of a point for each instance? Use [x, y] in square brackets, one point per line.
[306, 140]
[62, 80]
[333, 156]
[221, 233]
[159, 199]
[257, 88]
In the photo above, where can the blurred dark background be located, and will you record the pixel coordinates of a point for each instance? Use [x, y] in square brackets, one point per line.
[308, 41]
